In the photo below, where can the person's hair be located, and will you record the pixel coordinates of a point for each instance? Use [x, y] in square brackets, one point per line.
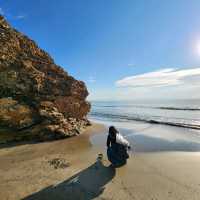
[112, 131]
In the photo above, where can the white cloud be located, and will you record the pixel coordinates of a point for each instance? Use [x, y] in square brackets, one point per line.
[169, 83]
[165, 77]
[91, 79]
[10, 16]
[20, 16]
[131, 65]
[1, 11]
[163, 84]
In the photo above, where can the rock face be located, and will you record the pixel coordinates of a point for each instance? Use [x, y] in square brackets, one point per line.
[37, 97]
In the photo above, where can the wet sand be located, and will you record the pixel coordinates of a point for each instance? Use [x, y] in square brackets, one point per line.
[151, 173]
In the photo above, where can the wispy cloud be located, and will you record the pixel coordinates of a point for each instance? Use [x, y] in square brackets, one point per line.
[164, 77]
[131, 64]
[91, 79]
[11, 16]
[20, 16]
[1, 11]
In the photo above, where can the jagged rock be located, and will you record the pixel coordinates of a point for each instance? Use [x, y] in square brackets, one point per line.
[37, 96]
[15, 115]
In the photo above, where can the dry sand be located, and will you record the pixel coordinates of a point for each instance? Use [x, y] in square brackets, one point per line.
[26, 173]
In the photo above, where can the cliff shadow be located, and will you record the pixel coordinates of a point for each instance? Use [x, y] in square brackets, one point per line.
[85, 185]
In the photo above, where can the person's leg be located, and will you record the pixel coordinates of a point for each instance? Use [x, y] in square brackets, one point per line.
[109, 153]
[112, 157]
[122, 155]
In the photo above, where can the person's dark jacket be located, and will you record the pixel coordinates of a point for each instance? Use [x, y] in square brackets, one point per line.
[110, 140]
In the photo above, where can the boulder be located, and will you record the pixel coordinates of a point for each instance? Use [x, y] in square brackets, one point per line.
[37, 96]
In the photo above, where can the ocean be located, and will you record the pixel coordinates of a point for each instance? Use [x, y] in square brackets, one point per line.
[181, 113]
[170, 125]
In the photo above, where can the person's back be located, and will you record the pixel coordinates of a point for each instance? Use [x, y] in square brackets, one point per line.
[117, 147]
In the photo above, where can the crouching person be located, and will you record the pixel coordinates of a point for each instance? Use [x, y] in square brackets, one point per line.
[117, 147]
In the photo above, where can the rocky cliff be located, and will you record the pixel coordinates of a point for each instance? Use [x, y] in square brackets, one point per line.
[38, 99]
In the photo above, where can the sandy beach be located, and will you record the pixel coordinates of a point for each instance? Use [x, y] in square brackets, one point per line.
[30, 171]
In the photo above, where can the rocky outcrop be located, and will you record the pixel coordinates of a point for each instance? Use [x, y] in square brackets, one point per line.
[37, 97]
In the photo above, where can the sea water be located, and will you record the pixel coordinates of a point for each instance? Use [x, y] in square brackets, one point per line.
[152, 125]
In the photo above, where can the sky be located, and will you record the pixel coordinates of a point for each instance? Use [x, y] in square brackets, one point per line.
[121, 49]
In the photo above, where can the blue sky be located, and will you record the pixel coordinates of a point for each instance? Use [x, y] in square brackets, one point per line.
[106, 42]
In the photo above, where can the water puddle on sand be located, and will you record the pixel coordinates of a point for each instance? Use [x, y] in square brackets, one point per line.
[145, 137]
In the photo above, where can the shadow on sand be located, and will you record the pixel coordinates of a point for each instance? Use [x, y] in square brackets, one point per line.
[85, 185]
